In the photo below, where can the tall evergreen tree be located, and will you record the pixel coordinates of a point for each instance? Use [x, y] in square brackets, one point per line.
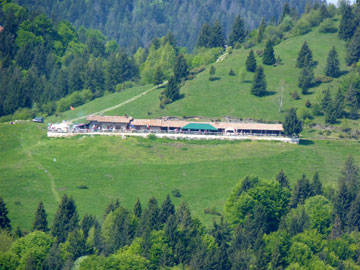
[4, 220]
[342, 203]
[171, 93]
[204, 36]
[301, 192]
[292, 124]
[324, 13]
[326, 100]
[251, 62]
[66, 219]
[330, 114]
[352, 102]
[167, 209]
[339, 103]
[305, 53]
[285, 12]
[347, 23]
[332, 68]
[350, 175]
[238, 32]
[180, 67]
[112, 206]
[259, 82]
[316, 185]
[40, 222]
[306, 78]
[283, 180]
[217, 38]
[137, 208]
[353, 49]
[269, 57]
[158, 76]
[261, 31]
[353, 216]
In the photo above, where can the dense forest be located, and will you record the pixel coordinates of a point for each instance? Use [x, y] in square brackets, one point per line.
[136, 23]
[47, 67]
[267, 224]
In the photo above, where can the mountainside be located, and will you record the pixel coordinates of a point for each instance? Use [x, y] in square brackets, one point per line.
[136, 23]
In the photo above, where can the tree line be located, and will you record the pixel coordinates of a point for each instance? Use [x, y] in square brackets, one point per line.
[267, 224]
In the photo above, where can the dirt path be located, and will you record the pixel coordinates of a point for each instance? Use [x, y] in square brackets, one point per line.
[120, 104]
[42, 168]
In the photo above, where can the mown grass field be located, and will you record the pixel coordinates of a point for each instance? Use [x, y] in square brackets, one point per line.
[111, 168]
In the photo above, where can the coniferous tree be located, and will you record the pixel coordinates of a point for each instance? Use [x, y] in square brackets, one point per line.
[316, 185]
[353, 216]
[238, 33]
[283, 180]
[259, 82]
[158, 76]
[112, 206]
[40, 222]
[292, 124]
[339, 103]
[4, 220]
[347, 23]
[324, 12]
[180, 68]
[251, 62]
[330, 114]
[87, 222]
[352, 102]
[342, 204]
[171, 232]
[332, 68]
[167, 209]
[204, 36]
[66, 219]
[306, 78]
[137, 208]
[217, 38]
[269, 57]
[285, 12]
[305, 53]
[301, 192]
[261, 31]
[350, 175]
[212, 70]
[353, 49]
[53, 260]
[171, 93]
[326, 100]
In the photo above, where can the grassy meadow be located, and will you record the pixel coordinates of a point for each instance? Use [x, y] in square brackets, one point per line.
[95, 170]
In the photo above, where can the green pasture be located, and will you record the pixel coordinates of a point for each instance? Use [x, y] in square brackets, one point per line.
[111, 167]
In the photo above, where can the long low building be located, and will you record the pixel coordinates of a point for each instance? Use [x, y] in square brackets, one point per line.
[126, 122]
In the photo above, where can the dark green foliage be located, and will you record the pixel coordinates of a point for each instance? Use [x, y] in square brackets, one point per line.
[285, 11]
[112, 206]
[324, 12]
[87, 222]
[330, 114]
[181, 69]
[75, 245]
[171, 93]
[259, 83]
[212, 70]
[339, 104]
[204, 36]
[306, 78]
[305, 53]
[53, 260]
[231, 73]
[292, 124]
[137, 208]
[158, 76]
[269, 56]
[4, 220]
[347, 23]
[353, 216]
[167, 209]
[295, 95]
[171, 232]
[211, 36]
[150, 217]
[326, 100]
[40, 222]
[352, 102]
[301, 192]
[332, 68]
[353, 49]
[251, 62]
[316, 185]
[283, 180]
[238, 32]
[66, 219]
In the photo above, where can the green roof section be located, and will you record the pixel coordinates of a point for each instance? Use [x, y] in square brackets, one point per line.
[199, 126]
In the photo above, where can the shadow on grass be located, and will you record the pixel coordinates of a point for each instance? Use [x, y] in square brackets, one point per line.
[269, 93]
[306, 142]
[214, 79]
[247, 81]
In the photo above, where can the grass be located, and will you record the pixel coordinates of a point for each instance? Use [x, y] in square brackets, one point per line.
[110, 167]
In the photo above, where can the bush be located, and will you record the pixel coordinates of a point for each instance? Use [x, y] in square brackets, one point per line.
[316, 109]
[287, 24]
[82, 187]
[295, 95]
[327, 26]
[301, 28]
[176, 193]
[323, 79]
[231, 72]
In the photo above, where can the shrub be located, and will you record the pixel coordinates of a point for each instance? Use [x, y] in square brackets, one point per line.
[231, 72]
[301, 28]
[327, 26]
[82, 187]
[176, 193]
[323, 79]
[295, 95]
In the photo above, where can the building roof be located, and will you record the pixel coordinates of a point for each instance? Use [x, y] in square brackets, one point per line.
[110, 119]
[199, 126]
[248, 126]
[147, 122]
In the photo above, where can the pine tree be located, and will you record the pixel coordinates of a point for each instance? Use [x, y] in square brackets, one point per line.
[180, 67]
[301, 192]
[350, 175]
[283, 180]
[352, 102]
[306, 78]
[261, 31]
[171, 93]
[66, 219]
[330, 114]
[342, 204]
[305, 53]
[158, 76]
[217, 36]
[112, 206]
[326, 100]
[259, 82]
[137, 208]
[332, 68]
[204, 36]
[251, 62]
[4, 220]
[324, 12]
[167, 209]
[353, 49]
[269, 57]
[238, 33]
[170, 231]
[339, 103]
[40, 223]
[285, 11]
[212, 70]
[292, 124]
[353, 216]
[347, 24]
[316, 185]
